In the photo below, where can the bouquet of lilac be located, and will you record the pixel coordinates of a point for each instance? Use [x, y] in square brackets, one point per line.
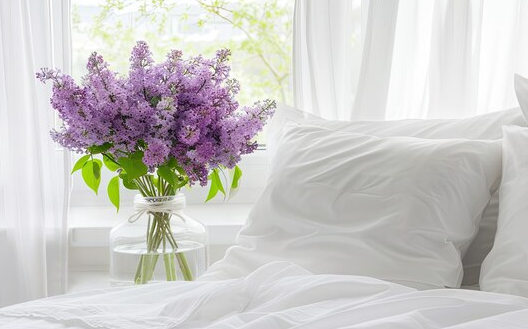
[163, 127]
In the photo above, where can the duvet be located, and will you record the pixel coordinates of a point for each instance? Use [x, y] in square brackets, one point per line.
[277, 295]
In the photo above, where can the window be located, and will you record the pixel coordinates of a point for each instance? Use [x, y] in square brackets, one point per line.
[259, 34]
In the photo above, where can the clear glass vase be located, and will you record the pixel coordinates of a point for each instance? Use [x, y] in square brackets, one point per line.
[158, 243]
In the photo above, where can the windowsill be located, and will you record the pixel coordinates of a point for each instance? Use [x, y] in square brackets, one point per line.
[90, 225]
[87, 280]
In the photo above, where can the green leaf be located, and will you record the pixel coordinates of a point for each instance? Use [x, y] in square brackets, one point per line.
[236, 177]
[133, 165]
[98, 164]
[213, 190]
[167, 174]
[183, 181]
[172, 163]
[219, 182]
[80, 163]
[110, 163]
[216, 185]
[131, 185]
[138, 154]
[180, 171]
[174, 180]
[154, 101]
[96, 149]
[113, 191]
[91, 173]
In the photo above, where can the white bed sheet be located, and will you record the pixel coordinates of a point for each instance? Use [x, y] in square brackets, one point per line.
[277, 295]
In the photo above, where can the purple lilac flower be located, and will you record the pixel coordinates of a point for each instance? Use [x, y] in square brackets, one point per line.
[182, 108]
[156, 153]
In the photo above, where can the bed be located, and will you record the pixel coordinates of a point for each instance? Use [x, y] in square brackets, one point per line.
[361, 225]
[278, 295]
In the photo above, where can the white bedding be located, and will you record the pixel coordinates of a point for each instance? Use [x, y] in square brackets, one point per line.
[407, 207]
[277, 295]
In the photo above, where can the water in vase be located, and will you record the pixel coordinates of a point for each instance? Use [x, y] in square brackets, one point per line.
[125, 260]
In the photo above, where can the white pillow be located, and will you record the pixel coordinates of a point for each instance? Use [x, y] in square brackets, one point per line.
[399, 209]
[486, 126]
[505, 269]
[521, 91]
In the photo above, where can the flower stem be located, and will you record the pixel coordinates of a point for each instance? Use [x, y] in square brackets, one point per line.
[158, 234]
[184, 266]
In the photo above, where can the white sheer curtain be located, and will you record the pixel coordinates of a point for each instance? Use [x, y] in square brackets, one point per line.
[393, 59]
[326, 55]
[33, 205]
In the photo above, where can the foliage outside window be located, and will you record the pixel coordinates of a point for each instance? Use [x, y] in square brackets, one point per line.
[259, 34]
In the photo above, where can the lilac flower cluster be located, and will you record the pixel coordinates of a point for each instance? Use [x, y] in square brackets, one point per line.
[182, 108]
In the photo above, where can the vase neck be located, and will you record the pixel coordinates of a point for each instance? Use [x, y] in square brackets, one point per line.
[167, 203]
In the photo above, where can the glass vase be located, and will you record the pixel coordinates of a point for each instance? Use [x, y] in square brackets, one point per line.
[158, 243]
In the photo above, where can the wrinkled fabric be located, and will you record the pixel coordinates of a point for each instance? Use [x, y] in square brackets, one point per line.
[505, 269]
[485, 126]
[277, 295]
[400, 209]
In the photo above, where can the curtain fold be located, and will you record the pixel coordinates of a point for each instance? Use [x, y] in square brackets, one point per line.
[33, 184]
[418, 59]
[455, 55]
[326, 33]
[372, 90]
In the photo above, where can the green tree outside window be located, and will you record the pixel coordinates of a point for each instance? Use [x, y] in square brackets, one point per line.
[259, 34]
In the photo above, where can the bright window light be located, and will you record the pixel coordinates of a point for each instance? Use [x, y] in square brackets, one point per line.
[259, 34]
